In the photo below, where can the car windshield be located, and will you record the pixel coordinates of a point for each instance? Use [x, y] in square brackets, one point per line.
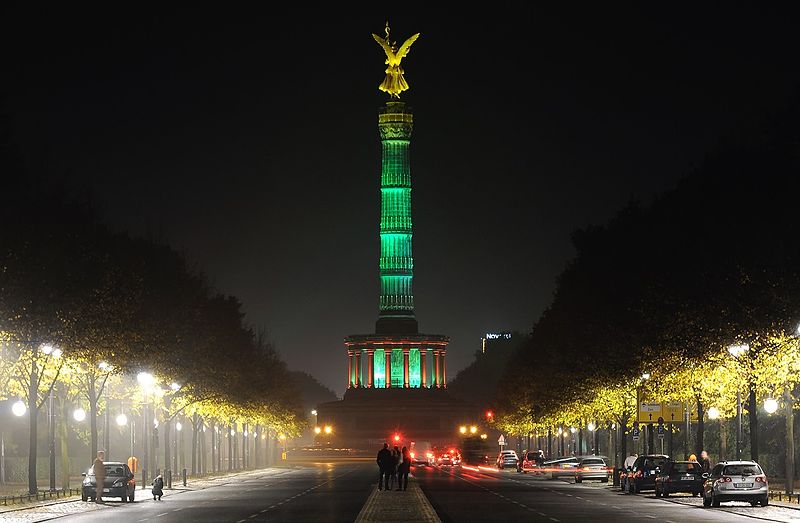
[595, 461]
[741, 470]
[111, 470]
[686, 468]
[651, 463]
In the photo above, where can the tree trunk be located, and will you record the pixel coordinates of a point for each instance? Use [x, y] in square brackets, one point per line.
[167, 444]
[256, 453]
[194, 444]
[700, 443]
[723, 440]
[62, 436]
[752, 409]
[787, 396]
[33, 414]
[212, 428]
[93, 415]
[230, 448]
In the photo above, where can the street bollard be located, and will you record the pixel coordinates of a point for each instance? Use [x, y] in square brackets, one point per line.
[183, 473]
[144, 478]
[169, 478]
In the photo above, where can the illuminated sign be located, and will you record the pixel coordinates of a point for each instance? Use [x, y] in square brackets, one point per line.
[498, 335]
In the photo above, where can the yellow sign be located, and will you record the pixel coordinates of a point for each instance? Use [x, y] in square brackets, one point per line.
[674, 411]
[649, 412]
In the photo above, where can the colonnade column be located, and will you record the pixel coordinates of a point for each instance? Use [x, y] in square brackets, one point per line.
[358, 368]
[388, 373]
[444, 368]
[436, 383]
[349, 369]
[370, 367]
[423, 367]
[406, 352]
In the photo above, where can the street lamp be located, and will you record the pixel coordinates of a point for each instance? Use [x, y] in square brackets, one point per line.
[317, 430]
[462, 429]
[736, 351]
[328, 430]
[122, 420]
[473, 429]
[713, 413]
[591, 426]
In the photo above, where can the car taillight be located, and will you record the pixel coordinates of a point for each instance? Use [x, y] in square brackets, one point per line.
[412, 455]
[761, 479]
[638, 474]
[725, 479]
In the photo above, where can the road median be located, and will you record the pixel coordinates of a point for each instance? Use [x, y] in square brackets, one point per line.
[391, 505]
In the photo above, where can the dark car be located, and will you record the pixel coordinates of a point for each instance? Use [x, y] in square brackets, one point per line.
[118, 483]
[642, 475]
[679, 476]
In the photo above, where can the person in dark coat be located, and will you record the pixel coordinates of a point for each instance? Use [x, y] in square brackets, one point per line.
[397, 458]
[158, 487]
[403, 469]
[385, 466]
[705, 462]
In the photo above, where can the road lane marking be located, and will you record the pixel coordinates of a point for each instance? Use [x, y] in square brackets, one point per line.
[554, 519]
[177, 509]
[163, 514]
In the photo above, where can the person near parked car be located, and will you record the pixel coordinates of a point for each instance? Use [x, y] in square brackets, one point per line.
[158, 487]
[99, 469]
[705, 462]
[385, 463]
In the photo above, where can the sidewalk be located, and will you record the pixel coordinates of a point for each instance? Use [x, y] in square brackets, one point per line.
[141, 493]
[407, 506]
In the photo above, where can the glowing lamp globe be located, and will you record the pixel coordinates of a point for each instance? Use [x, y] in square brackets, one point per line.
[770, 405]
[122, 420]
[713, 413]
[19, 408]
[79, 414]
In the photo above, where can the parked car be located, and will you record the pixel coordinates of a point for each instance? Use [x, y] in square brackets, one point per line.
[449, 459]
[591, 467]
[507, 458]
[679, 476]
[642, 475]
[118, 483]
[736, 481]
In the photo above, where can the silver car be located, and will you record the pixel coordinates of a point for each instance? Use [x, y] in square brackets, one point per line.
[591, 467]
[736, 481]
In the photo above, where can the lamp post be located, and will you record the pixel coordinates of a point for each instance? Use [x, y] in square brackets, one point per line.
[737, 351]
[146, 381]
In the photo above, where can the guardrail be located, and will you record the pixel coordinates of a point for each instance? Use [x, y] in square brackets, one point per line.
[782, 496]
[39, 496]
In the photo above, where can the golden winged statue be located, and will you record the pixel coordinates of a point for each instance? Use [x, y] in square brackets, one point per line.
[394, 83]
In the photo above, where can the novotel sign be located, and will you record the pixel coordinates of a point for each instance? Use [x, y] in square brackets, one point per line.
[498, 335]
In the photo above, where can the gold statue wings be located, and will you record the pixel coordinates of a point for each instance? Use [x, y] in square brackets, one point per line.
[392, 57]
[394, 83]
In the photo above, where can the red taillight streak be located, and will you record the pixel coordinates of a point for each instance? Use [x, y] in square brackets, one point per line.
[725, 479]
[761, 479]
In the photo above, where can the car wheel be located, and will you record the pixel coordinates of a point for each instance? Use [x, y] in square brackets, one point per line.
[604, 480]
[84, 497]
[658, 493]
[754, 503]
[714, 501]
[630, 488]
[578, 479]
[665, 494]
[706, 501]
[695, 493]
[764, 501]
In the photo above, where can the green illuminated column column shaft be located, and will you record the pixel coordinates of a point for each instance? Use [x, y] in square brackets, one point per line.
[395, 123]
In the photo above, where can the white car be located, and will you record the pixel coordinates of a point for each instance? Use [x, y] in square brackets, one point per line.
[736, 481]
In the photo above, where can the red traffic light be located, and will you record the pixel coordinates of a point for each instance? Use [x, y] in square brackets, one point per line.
[397, 437]
[489, 414]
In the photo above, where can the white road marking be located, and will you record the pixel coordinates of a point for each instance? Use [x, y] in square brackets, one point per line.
[554, 519]
[163, 514]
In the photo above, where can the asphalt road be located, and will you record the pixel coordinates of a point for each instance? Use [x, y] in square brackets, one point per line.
[334, 492]
[318, 492]
[460, 495]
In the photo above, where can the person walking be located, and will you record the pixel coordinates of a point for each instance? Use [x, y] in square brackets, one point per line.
[403, 469]
[99, 469]
[158, 487]
[705, 462]
[385, 462]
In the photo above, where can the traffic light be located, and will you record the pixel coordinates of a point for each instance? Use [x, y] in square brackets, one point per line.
[489, 415]
[397, 438]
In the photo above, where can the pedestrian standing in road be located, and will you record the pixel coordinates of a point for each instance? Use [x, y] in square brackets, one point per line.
[403, 469]
[385, 463]
[158, 487]
[705, 462]
[99, 469]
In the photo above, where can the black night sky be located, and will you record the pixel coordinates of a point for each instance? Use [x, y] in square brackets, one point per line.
[248, 140]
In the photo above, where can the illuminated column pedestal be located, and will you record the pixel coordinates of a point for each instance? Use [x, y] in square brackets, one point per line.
[423, 367]
[370, 368]
[388, 373]
[406, 352]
